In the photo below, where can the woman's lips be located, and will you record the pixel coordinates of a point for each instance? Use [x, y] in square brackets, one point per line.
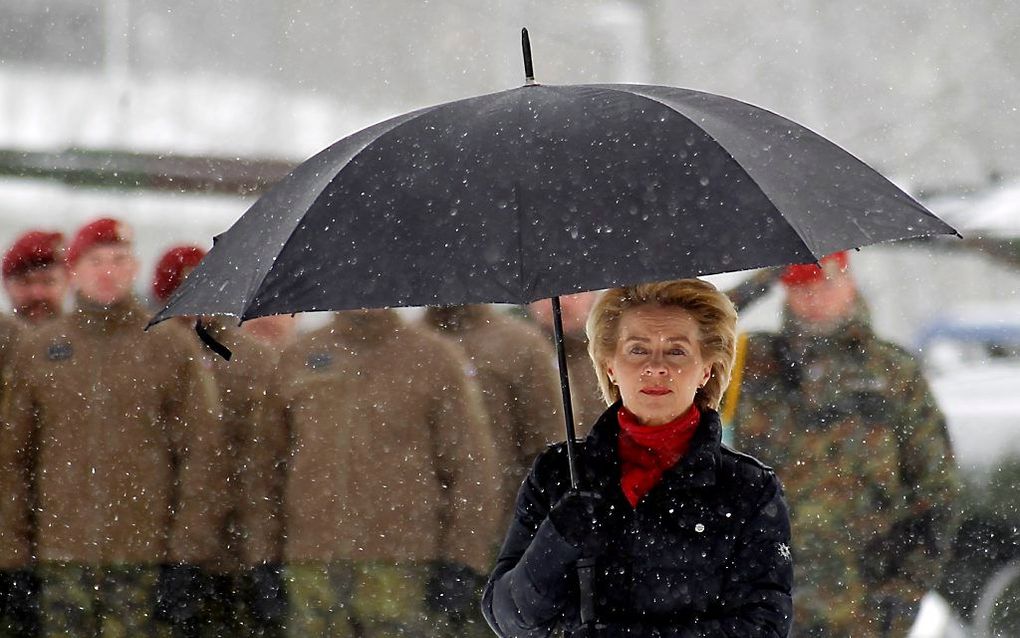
[655, 391]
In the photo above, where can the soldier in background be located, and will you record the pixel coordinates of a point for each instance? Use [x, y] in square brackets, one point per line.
[35, 276]
[515, 370]
[247, 597]
[586, 398]
[863, 452]
[109, 456]
[35, 281]
[389, 479]
[275, 331]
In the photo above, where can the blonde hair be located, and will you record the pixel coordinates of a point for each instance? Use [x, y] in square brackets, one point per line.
[712, 311]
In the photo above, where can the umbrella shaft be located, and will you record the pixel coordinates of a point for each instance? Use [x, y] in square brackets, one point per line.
[568, 412]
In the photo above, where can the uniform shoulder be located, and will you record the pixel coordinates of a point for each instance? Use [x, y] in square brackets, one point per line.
[171, 341]
[31, 337]
[893, 351]
[431, 348]
[249, 351]
[760, 342]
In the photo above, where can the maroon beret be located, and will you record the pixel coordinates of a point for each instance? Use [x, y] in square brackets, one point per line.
[101, 231]
[809, 273]
[170, 269]
[34, 249]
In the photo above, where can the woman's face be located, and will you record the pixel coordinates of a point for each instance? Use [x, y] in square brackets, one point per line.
[657, 364]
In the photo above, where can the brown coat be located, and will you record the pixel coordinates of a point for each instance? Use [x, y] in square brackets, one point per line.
[9, 328]
[252, 433]
[8, 334]
[389, 455]
[111, 435]
[516, 372]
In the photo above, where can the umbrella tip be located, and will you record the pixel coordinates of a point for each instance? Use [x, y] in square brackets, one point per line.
[529, 69]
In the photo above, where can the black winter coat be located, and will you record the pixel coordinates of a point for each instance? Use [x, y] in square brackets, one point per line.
[705, 553]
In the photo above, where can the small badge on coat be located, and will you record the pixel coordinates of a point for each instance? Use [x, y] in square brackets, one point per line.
[59, 351]
[319, 360]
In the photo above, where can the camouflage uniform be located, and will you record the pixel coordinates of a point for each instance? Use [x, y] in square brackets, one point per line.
[112, 601]
[360, 599]
[856, 437]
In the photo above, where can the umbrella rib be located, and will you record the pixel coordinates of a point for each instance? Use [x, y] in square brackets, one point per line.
[520, 209]
[796, 231]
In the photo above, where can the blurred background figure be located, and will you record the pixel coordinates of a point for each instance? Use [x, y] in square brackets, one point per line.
[35, 280]
[856, 437]
[275, 331]
[171, 269]
[514, 366]
[35, 276]
[109, 458]
[587, 401]
[247, 596]
[390, 481]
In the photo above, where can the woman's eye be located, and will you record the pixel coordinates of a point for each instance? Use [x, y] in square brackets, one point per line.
[677, 352]
[638, 350]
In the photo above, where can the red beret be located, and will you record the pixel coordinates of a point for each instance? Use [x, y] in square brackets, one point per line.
[101, 231]
[170, 269]
[810, 273]
[34, 249]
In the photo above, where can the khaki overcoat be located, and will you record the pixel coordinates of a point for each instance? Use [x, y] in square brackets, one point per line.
[110, 443]
[514, 365]
[252, 432]
[389, 456]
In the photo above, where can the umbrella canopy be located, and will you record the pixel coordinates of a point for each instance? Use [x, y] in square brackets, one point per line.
[541, 191]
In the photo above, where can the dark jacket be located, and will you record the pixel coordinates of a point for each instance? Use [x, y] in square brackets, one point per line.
[705, 553]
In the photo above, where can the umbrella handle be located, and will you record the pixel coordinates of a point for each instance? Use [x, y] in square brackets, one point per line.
[568, 412]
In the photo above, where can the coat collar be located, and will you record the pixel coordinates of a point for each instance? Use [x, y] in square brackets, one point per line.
[365, 325]
[855, 329]
[126, 313]
[697, 469]
[458, 318]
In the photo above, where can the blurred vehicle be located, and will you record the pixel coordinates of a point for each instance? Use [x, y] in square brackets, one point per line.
[972, 359]
[971, 356]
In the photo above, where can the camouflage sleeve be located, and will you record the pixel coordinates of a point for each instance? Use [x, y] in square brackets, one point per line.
[750, 427]
[196, 430]
[465, 460]
[928, 473]
[17, 423]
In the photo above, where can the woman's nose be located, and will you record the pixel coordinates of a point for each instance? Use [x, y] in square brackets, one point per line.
[656, 366]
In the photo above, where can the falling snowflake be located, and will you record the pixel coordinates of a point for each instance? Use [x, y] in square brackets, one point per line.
[784, 551]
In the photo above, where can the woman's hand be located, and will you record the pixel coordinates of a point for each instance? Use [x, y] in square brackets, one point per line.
[582, 519]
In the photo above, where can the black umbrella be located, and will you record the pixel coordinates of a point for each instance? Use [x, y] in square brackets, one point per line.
[541, 191]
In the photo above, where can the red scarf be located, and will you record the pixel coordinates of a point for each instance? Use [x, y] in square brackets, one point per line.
[647, 451]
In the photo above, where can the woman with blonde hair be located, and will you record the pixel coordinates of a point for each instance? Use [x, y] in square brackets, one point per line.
[681, 536]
